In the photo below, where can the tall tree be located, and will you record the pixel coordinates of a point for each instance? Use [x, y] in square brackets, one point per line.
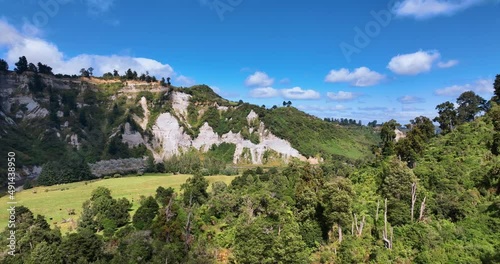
[388, 136]
[469, 105]
[4, 66]
[447, 118]
[21, 65]
[115, 73]
[496, 86]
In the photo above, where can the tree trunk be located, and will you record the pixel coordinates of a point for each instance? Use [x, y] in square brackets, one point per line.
[413, 198]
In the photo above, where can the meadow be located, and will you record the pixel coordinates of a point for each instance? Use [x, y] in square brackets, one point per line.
[53, 202]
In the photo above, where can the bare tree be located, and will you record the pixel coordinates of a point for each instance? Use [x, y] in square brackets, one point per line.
[422, 208]
[387, 241]
[359, 225]
[413, 198]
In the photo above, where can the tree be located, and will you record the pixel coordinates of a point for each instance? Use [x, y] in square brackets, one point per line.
[195, 190]
[44, 69]
[90, 70]
[397, 180]
[82, 247]
[496, 87]
[84, 72]
[129, 74]
[4, 66]
[469, 105]
[21, 65]
[115, 73]
[102, 212]
[388, 136]
[447, 118]
[146, 213]
[163, 195]
[32, 68]
[284, 103]
[168, 81]
[288, 104]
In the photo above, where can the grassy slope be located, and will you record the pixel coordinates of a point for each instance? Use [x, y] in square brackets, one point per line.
[54, 203]
[311, 135]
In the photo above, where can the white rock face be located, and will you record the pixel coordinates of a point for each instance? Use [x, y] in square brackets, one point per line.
[170, 139]
[169, 136]
[180, 103]
[132, 138]
[251, 117]
[144, 122]
[399, 134]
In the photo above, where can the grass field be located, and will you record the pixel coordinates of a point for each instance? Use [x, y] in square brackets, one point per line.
[54, 201]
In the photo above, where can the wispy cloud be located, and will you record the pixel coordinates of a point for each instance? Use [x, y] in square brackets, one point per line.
[421, 9]
[96, 7]
[483, 86]
[295, 93]
[264, 92]
[342, 96]
[408, 99]
[447, 64]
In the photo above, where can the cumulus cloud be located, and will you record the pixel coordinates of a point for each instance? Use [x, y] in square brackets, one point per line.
[414, 63]
[408, 99]
[342, 96]
[447, 64]
[421, 9]
[360, 77]
[298, 93]
[37, 50]
[482, 86]
[264, 92]
[259, 79]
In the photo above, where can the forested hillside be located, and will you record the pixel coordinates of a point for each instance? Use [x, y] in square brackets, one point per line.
[425, 199]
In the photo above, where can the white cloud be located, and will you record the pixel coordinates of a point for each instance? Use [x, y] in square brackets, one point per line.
[264, 92]
[482, 86]
[447, 64]
[408, 99]
[430, 8]
[342, 96]
[360, 77]
[259, 79]
[37, 50]
[298, 93]
[414, 63]
[185, 81]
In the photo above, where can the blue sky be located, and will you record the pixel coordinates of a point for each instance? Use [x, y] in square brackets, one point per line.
[368, 60]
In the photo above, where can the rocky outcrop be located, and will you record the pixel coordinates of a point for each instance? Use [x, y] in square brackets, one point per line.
[170, 139]
[121, 166]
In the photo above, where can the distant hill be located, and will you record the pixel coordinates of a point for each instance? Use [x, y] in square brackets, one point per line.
[44, 116]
